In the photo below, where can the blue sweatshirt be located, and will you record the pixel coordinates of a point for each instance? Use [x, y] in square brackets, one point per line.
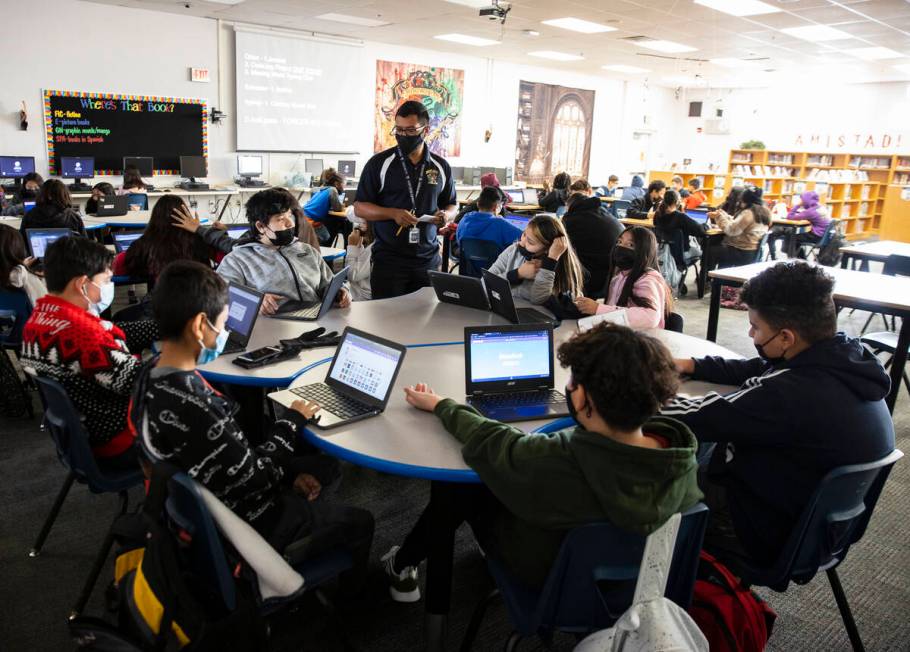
[486, 226]
[787, 426]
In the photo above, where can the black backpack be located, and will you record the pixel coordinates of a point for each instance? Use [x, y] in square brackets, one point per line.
[830, 254]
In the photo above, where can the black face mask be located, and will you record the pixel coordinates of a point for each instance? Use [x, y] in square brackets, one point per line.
[623, 257]
[570, 406]
[29, 194]
[282, 238]
[760, 348]
[408, 143]
[529, 255]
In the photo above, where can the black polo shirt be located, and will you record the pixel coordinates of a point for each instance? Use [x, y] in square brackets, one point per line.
[382, 182]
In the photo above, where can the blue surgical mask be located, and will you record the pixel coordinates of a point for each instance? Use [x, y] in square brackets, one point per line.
[207, 355]
[107, 297]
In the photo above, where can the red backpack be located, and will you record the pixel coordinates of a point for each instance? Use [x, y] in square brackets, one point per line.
[732, 617]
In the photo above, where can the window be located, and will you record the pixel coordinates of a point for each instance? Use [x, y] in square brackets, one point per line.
[569, 138]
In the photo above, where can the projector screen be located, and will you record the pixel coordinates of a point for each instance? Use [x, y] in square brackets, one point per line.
[291, 94]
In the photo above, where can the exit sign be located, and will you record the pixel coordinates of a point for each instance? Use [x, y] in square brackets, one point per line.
[199, 74]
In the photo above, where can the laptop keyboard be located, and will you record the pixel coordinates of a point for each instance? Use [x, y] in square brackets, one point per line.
[331, 401]
[309, 311]
[531, 316]
[542, 397]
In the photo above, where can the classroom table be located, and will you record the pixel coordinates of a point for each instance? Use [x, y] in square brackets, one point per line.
[609, 200]
[793, 227]
[16, 222]
[889, 295]
[408, 442]
[523, 208]
[872, 251]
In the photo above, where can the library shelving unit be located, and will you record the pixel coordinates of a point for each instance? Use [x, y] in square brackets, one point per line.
[713, 184]
[863, 190]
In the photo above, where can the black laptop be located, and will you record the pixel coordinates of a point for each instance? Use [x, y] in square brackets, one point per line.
[499, 294]
[243, 310]
[358, 384]
[299, 311]
[464, 291]
[113, 206]
[509, 372]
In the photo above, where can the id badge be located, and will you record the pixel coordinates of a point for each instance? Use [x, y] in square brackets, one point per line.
[414, 235]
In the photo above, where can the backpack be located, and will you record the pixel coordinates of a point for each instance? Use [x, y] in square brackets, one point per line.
[830, 254]
[668, 268]
[731, 616]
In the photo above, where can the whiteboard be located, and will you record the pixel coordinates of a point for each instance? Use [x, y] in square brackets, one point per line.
[293, 93]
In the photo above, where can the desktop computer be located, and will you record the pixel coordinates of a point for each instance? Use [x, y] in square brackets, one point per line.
[16, 167]
[77, 168]
[190, 168]
[347, 168]
[315, 167]
[145, 165]
[249, 166]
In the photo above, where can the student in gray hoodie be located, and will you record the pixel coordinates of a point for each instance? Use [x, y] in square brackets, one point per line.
[274, 261]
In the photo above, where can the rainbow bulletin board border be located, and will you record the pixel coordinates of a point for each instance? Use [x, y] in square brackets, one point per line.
[49, 128]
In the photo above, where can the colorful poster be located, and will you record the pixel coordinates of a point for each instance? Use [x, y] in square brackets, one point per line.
[554, 131]
[440, 90]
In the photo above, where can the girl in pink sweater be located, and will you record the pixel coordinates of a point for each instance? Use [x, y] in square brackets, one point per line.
[635, 285]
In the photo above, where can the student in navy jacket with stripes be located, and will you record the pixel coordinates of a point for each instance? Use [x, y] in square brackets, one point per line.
[813, 400]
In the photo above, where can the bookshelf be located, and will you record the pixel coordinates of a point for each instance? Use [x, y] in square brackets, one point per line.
[863, 190]
[713, 184]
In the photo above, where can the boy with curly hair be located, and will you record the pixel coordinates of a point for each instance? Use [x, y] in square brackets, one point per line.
[620, 463]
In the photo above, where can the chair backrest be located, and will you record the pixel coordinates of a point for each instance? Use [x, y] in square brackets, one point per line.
[834, 519]
[619, 208]
[828, 234]
[15, 309]
[186, 508]
[897, 265]
[139, 199]
[674, 322]
[759, 253]
[592, 581]
[477, 255]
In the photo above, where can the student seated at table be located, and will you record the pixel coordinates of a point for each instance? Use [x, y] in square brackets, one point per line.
[696, 197]
[132, 182]
[542, 265]
[743, 230]
[324, 200]
[593, 233]
[812, 400]
[643, 208]
[610, 189]
[668, 220]
[485, 223]
[809, 208]
[274, 261]
[160, 244]
[636, 285]
[488, 180]
[66, 340]
[16, 266]
[582, 186]
[179, 418]
[53, 210]
[634, 191]
[551, 200]
[15, 205]
[620, 463]
[359, 257]
[678, 186]
[99, 192]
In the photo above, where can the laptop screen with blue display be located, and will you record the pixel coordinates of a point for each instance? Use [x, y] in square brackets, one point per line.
[243, 306]
[39, 239]
[498, 356]
[520, 221]
[122, 241]
[699, 216]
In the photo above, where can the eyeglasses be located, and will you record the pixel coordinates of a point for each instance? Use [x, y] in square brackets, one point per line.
[407, 131]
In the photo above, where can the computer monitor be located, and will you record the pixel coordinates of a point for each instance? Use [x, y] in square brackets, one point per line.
[16, 167]
[145, 164]
[78, 168]
[192, 167]
[249, 166]
[314, 166]
[347, 168]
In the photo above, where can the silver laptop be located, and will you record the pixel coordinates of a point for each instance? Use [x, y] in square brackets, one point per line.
[299, 311]
[358, 384]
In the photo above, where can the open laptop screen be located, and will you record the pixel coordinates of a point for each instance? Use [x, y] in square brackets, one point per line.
[699, 216]
[235, 232]
[124, 240]
[520, 221]
[365, 365]
[498, 356]
[39, 239]
[243, 307]
[516, 196]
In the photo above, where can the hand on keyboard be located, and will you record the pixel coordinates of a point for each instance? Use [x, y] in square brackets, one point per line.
[270, 303]
[307, 408]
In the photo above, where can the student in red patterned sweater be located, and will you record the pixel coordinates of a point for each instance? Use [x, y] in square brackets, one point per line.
[66, 340]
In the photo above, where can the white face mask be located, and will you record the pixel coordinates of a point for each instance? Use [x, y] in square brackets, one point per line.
[107, 297]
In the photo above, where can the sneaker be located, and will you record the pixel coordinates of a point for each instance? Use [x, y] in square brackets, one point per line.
[403, 586]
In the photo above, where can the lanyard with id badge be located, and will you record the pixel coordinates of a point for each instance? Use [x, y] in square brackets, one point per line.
[413, 231]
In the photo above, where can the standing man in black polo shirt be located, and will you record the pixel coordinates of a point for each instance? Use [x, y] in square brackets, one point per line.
[396, 188]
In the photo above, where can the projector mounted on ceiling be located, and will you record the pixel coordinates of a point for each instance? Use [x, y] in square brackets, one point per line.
[497, 11]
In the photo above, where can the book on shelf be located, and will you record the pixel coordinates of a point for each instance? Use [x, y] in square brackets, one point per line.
[864, 209]
[822, 160]
[866, 192]
[786, 159]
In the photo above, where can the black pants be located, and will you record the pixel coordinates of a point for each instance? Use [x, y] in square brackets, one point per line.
[309, 529]
[389, 280]
[726, 256]
[791, 241]
[720, 535]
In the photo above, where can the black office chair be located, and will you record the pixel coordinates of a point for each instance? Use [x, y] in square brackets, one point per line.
[759, 253]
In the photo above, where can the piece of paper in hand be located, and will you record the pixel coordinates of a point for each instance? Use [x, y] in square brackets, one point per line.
[426, 218]
[616, 317]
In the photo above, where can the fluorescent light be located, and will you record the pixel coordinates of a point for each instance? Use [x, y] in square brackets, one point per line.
[816, 33]
[579, 25]
[477, 4]
[466, 40]
[874, 54]
[739, 7]
[668, 47]
[555, 56]
[735, 63]
[621, 67]
[353, 20]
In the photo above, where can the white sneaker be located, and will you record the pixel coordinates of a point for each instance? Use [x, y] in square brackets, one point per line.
[403, 586]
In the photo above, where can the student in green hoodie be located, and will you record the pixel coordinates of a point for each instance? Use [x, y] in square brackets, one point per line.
[621, 463]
